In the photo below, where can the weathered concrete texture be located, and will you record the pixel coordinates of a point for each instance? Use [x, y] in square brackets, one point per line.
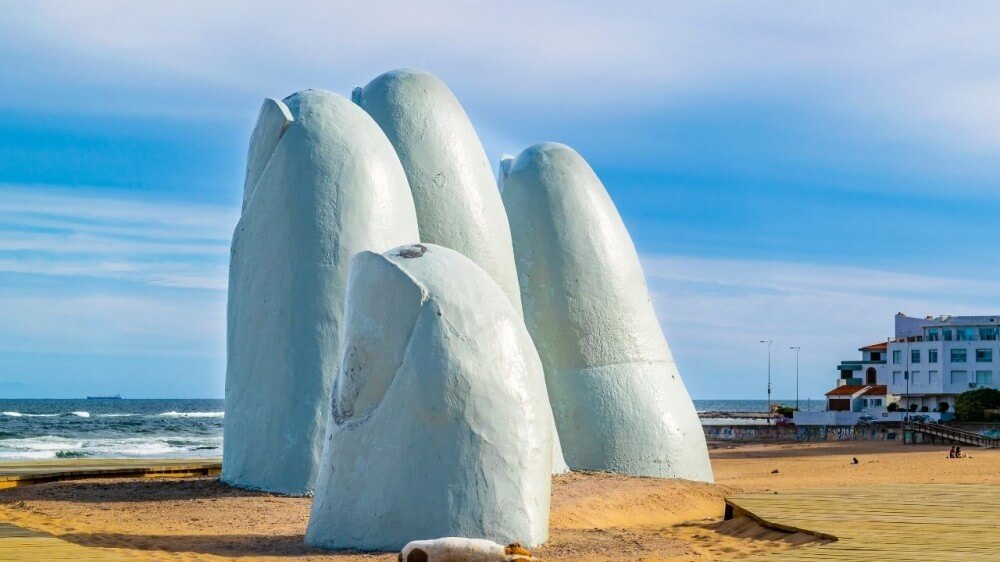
[272, 121]
[506, 161]
[618, 400]
[454, 191]
[323, 183]
[455, 194]
[441, 424]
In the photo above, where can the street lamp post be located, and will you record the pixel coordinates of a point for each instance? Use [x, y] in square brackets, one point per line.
[906, 377]
[796, 348]
[768, 406]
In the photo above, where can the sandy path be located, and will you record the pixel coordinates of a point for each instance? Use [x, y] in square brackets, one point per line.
[594, 516]
[817, 465]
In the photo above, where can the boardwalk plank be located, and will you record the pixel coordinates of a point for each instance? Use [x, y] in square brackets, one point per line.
[889, 522]
[18, 543]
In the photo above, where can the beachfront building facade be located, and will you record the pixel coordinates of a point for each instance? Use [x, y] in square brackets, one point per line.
[933, 360]
[927, 362]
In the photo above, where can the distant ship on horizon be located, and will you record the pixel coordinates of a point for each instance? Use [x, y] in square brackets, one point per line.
[115, 397]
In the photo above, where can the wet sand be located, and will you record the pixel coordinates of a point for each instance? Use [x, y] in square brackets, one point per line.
[594, 516]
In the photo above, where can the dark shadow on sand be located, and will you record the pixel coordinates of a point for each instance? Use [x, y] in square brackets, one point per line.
[747, 528]
[219, 545]
[828, 448]
[128, 490]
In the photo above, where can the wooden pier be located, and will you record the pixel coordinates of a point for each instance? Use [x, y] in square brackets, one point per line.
[18, 543]
[20, 473]
[946, 434]
[888, 523]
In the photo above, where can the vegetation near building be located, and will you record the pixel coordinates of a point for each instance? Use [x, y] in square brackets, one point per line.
[970, 406]
[786, 411]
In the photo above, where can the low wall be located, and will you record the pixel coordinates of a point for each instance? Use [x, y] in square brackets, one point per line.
[775, 433]
[851, 418]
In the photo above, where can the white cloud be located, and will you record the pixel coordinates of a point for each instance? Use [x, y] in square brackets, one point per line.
[716, 311]
[98, 323]
[89, 235]
[101, 211]
[164, 274]
[907, 71]
[87, 274]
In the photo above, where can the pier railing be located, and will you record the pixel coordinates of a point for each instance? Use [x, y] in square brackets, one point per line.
[953, 434]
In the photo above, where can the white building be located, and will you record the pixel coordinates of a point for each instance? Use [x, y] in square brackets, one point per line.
[933, 360]
[928, 361]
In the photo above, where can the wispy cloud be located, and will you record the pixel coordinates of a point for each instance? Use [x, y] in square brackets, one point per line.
[715, 312]
[92, 210]
[90, 273]
[173, 258]
[89, 234]
[86, 322]
[910, 72]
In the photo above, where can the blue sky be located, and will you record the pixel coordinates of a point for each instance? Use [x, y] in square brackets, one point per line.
[787, 170]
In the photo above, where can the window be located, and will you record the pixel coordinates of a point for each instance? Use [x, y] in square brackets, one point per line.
[959, 377]
[915, 377]
[897, 357]
[946, 333]
[988, 334]
[965, 334]
[932, 377]
[932, 355]
[876, 401]
[984, 378]
[933, 334]
[914, 356]
[897, 377]
[876, 356]
[984, 355]
[958, 355]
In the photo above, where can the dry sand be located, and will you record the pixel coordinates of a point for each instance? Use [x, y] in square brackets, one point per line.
[594, 516]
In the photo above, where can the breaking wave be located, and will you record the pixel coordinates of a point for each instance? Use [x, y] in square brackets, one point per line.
[38, 429]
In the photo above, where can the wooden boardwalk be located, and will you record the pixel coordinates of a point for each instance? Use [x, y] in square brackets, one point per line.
[946, 434]
[18, 543]
[20, 473]
[886, 523]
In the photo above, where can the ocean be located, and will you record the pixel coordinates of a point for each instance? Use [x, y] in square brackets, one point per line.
[805, 404]
[49, 429]
[156, 428]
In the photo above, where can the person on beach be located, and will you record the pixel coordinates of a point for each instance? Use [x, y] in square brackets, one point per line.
[951, 453]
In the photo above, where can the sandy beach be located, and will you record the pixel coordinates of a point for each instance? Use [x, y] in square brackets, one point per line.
[594, 516]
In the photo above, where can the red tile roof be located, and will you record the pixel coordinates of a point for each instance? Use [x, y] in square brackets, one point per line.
[875, 347]
[876, 390]
[846, 390]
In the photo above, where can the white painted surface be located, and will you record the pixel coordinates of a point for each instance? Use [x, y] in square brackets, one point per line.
[455, 194]
[618, 400]
[917, 366]
[454, 191]
[272, 122]
[851, 418]
[329, 187]
[441, 424]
